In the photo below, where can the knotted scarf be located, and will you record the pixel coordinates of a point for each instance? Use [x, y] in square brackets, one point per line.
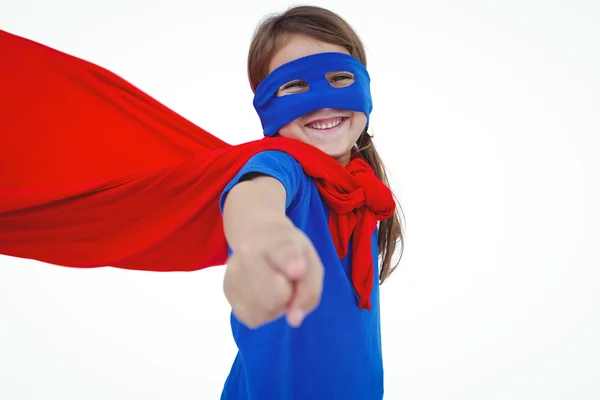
[358, 212]
[94, 172]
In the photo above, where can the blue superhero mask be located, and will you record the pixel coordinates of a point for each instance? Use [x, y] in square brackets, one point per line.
[277, 111]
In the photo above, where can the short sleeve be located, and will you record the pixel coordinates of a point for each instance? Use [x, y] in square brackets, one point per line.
[278, 165]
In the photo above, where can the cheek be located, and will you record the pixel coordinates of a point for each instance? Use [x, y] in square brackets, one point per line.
[359, 121]
[291, 130]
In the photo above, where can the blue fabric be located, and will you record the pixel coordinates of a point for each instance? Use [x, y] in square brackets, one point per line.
[277, 111]
[336, 352]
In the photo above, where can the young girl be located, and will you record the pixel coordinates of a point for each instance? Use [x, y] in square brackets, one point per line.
[299, 212]
[283, 257]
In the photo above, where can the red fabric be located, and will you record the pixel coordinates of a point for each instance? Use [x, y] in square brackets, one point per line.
[358, 211]
[94, 172]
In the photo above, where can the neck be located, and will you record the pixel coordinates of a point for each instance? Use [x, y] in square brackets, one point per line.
[347, 157]
[344, 160]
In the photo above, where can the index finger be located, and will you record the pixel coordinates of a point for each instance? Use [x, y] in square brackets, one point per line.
[307, 290]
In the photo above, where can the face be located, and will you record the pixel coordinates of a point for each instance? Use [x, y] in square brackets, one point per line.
[332, 131]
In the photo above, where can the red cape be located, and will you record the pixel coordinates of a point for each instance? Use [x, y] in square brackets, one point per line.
[94, 172]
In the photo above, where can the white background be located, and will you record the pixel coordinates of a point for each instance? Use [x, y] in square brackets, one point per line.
[487, 114]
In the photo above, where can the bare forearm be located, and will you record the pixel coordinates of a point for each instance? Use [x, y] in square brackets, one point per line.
[274, 269]
[250, 205]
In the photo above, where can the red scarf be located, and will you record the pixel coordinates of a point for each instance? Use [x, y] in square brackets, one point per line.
[94, 172]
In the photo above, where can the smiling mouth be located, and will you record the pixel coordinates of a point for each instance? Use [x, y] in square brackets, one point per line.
[326, 124]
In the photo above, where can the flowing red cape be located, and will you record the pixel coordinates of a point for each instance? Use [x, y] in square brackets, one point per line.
[94, 172]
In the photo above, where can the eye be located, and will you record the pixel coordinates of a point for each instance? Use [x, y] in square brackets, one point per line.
[296, 86]
[340, 79]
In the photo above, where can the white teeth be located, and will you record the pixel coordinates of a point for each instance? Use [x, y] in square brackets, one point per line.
[334, 122]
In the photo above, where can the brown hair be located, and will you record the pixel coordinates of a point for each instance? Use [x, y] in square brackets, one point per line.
[328, 27]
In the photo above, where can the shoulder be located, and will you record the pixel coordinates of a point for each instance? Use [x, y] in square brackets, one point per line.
[273, 159]
[278, 165]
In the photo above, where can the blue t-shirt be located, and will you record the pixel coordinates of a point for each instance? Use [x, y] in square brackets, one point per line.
[336, 353]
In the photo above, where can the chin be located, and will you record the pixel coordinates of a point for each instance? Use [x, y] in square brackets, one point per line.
[336, 153]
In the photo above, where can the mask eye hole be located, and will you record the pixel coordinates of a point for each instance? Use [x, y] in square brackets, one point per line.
[292, 87]
[340, 79]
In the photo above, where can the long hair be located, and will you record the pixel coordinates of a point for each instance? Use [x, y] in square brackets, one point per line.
[328, 27]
